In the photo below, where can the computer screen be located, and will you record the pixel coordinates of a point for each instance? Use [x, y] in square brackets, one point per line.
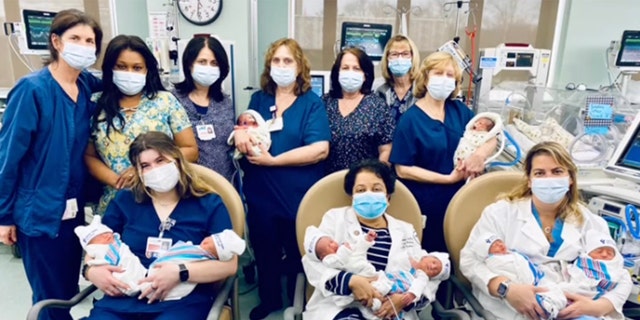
[36, 28]
[625, 162]
[320, 81]
[629, 53]
[372, 38]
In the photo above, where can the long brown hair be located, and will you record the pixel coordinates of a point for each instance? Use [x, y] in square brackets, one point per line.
[303, 79]
[569, 209]
[188, 185]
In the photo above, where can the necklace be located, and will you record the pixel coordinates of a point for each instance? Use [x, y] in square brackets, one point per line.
[166, 204]
[547, 230]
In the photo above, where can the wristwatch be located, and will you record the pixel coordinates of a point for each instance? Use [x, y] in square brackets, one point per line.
[85, 267]
[503, 288]
[184, 272]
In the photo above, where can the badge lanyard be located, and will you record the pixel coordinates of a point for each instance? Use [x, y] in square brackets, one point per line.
[166, 226]
[274, 110]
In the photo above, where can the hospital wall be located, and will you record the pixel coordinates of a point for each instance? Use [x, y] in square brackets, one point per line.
[588, 28]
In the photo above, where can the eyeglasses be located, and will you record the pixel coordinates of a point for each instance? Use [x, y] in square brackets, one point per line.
[403, 54]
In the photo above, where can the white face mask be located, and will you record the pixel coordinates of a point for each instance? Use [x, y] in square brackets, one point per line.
[440, 88]
[351, 81]
[550, 190]
[78, 56]
[162, 179]
[129, 83]
[205, 75]
[283, 77]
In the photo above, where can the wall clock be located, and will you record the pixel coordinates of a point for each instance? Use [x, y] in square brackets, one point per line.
[200, 12]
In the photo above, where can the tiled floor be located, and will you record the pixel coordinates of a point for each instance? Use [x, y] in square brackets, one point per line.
[15, 294]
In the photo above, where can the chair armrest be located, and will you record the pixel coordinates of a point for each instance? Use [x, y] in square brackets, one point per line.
[449, 313]
[221, 298]
[471, 299]
[299, 296]
[59, 303]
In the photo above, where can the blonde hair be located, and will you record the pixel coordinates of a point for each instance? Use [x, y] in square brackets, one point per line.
[436, 60]
[303, 79]
[569, 209]
[189, 183]
[415, 60]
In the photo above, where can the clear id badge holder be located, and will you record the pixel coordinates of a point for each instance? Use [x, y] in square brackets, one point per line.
[159, 245]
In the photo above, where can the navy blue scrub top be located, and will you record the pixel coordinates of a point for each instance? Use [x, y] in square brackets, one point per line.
[195, 218]
[430, 144]
[279, 190]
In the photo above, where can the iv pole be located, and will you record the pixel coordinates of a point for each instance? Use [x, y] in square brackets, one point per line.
[403, 12]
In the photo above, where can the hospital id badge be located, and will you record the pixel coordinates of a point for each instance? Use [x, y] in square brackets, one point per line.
[71, 209]
[157, 246]
[205, 132]
[275, 124]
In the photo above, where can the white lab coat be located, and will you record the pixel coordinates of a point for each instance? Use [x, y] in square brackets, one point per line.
[342, 225]
[514, 222]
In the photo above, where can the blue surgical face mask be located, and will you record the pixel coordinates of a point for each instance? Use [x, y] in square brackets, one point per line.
[440, 88]
[283, 77]
[550, 190]
[205, 75]
[370, 205]
[351, 81]
[78, 56]
[400, 66]
[129, 83]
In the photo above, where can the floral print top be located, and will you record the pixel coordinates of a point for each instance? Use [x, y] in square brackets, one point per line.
[164, 113]
[358, 135]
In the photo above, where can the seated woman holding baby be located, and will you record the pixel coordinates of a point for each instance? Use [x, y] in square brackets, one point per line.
[167, 204]
[393, 248]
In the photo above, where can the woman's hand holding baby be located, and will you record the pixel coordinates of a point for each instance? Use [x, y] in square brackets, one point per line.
[103, 279]
[522, 297]
[391, 306]
[363, 291]
[584, 306]
[263, 159]
[243, 140]
[164, 278]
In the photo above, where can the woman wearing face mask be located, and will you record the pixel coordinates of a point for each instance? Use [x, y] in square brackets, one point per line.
[543, 219]
[167, 196]
[361, 124]
[276, 179]
[427, 136]
[207, 106]
[42, 140]
[370, 183]
[133, 102]
[399, 65]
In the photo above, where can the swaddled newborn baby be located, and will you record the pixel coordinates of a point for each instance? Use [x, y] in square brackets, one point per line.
[257, 129]
[105, 248]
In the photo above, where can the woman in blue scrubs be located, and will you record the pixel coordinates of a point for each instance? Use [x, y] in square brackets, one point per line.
[44, 133]
[276, 179]
[425, 140]
[166, 204]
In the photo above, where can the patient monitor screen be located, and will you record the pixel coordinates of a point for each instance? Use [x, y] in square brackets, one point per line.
[629, 54]
[317, 84]
[37, 25]
[631, 156]
[372, 38]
